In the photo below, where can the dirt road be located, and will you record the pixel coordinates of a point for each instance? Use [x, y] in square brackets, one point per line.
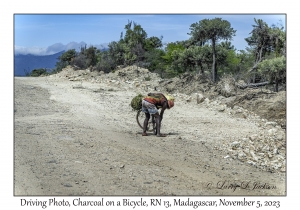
[81, 138]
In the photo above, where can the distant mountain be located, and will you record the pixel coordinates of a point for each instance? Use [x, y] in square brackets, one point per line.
[30, 62]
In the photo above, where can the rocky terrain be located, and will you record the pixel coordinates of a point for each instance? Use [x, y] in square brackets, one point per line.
[79, 136]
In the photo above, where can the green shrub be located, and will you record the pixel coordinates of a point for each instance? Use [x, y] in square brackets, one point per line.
[38, 72]
[274, 70]
[81, 61]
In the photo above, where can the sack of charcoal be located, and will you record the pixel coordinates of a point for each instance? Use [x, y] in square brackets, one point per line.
[136, 102]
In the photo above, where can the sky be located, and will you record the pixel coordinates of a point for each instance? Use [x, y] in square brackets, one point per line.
[45, 34]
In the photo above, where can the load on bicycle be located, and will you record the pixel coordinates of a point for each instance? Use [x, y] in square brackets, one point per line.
[149, 105]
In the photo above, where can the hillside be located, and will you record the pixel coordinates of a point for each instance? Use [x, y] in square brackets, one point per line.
[261, 101]
[30, 62]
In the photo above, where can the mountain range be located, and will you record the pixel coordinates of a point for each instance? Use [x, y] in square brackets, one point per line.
[26, 63]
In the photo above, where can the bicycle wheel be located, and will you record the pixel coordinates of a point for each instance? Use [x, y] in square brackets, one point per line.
[140, 118]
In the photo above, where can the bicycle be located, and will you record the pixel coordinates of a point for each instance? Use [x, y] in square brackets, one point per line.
[140, 118]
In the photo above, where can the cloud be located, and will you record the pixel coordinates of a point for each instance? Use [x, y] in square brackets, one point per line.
[55, 48]
[30, 50]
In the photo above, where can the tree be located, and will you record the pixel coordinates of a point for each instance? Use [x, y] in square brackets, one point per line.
[259, 41]
[153, 43]
[170, 58]
[169, 51]
[214, 30]
[80, 61]
[117, 52]
[65, 59]
[90, 54]
[68, 56]
[274, 69]
[105, 63]
[278, 40]
[201, 56]
[154, 60]
[134, 39]
[231, 61]
[227, 58]
[227, 45]
[139, 52]
[134, 35]
[266, 42]
[186, 59]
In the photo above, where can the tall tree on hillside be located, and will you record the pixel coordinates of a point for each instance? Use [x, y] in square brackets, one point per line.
[278, 40]
[135, 34]
[214, 30]
[265, 41]
[259, 41]
[135, 38]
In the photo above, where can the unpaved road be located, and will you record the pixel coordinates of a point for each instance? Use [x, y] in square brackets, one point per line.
[75, 138]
